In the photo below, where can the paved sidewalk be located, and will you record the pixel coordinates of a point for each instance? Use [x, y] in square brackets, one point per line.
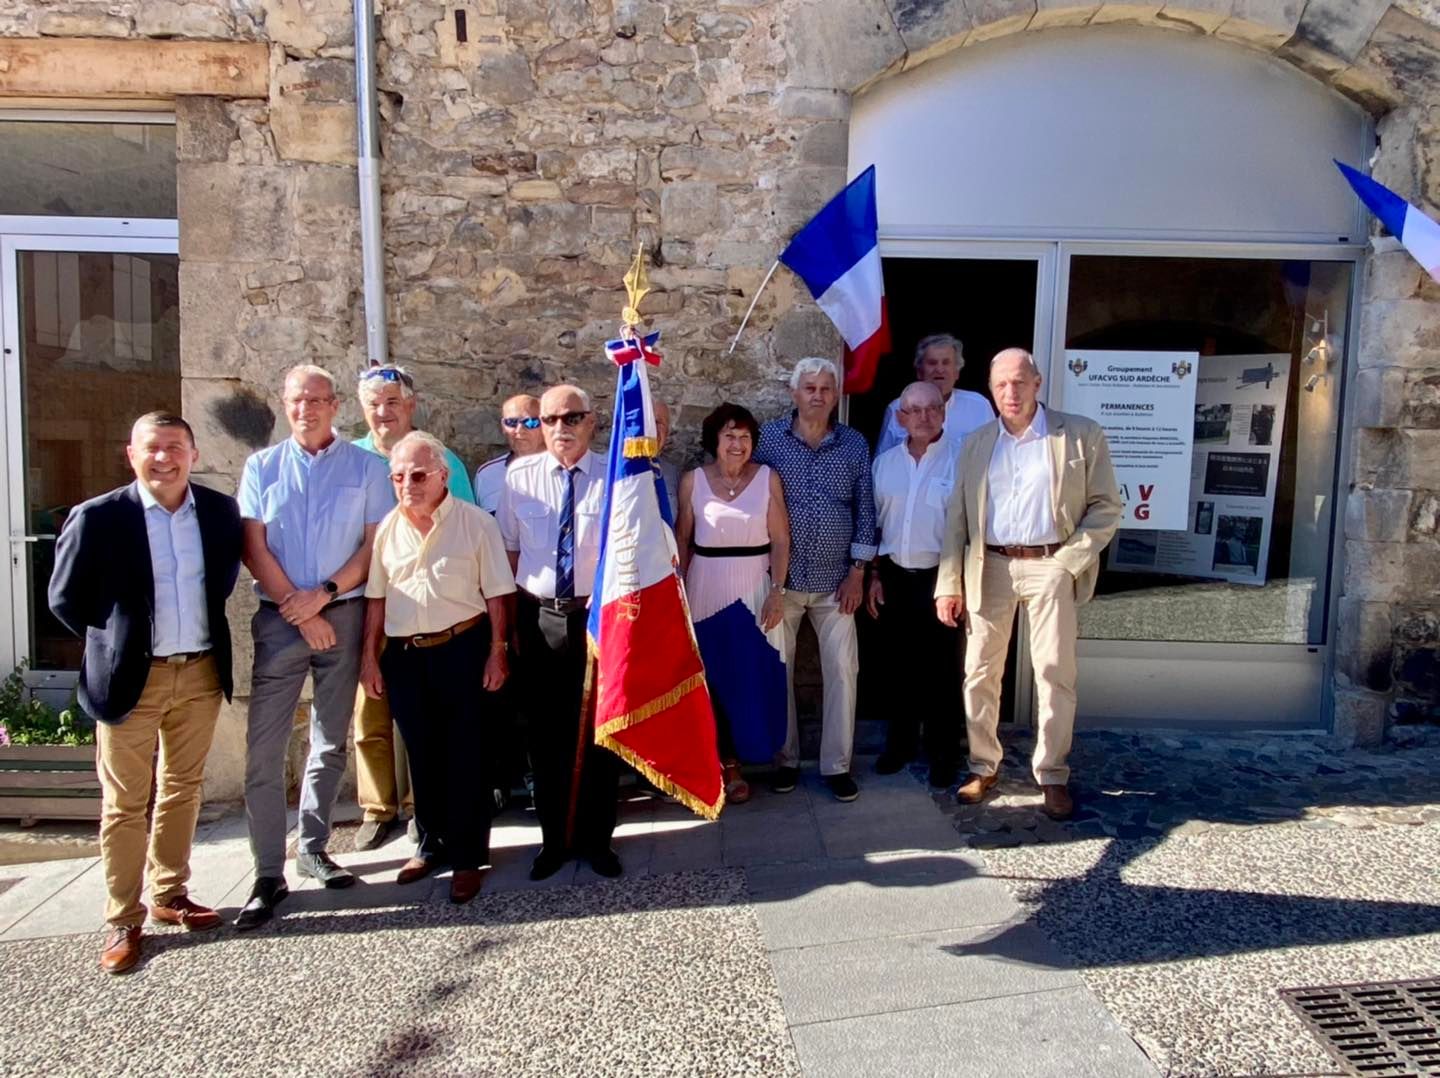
[797, 934]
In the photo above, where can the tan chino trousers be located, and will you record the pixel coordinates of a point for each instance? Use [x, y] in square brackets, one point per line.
[1047, 590]
[177, 711]
[382, 770]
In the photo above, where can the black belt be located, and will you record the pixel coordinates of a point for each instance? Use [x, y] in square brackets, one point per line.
[560, 606]
[893, 564]
[332, 603]
[729, 551]
[1044, 550]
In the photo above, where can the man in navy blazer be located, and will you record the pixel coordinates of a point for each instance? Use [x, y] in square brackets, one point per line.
[142, 573]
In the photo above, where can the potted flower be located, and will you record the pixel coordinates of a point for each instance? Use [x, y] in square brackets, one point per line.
[47, 758]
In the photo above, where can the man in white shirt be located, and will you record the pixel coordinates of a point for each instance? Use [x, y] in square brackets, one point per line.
[1037, 504]
[520, 420]
[550, 520]
[939, 359]
[913, 484]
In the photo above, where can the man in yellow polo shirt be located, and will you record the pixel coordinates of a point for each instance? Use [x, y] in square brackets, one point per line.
[438, 600]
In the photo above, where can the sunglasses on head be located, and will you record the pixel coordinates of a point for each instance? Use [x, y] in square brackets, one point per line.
[415, 475]
[389, 374]
[529, 422]
[571, 419]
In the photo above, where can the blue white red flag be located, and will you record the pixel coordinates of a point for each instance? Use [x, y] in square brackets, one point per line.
[629, 349]
[1419, 234]
[646, 681]
[837, 255]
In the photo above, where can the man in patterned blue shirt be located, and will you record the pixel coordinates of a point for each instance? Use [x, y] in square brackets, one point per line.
[824, 468]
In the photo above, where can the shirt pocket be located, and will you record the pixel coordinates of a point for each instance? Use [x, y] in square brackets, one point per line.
[347, 511]
[456, 578]
[937, 493]
[533, 519]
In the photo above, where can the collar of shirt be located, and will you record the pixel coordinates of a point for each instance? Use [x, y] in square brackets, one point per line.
[148, 500]
[831, 425]
[307, 458]
[584, 463]
[1036, 429]
[367, 443]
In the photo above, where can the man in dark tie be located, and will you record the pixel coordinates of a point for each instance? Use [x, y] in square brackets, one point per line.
[142, 573]
[550, 519]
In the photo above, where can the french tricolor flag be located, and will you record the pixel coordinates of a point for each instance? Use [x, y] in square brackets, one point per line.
[837, 255]
[646, 682]
[1419, 234]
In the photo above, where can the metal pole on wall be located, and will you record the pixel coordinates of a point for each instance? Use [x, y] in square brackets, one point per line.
[367, 128]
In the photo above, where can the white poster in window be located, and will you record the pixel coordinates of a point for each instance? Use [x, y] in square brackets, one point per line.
[1239, 427]
[1146, 403]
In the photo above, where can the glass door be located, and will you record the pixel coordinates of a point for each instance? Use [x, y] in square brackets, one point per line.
[91, 337]
[1225, 619]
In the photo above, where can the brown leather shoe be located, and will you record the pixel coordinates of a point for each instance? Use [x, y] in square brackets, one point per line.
[1059, 805]
[465, 885]
[122, 949]
[417, 868]
[972, 791]
[191, 916]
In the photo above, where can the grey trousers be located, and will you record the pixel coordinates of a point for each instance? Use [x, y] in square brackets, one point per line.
[282, 659]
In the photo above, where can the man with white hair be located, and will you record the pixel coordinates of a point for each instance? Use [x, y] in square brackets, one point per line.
[309, 508]
[438, 601]
[939, 359]
[1037, 504]
[388, 400]
[824, 469]
[913, 485]
[550, 520]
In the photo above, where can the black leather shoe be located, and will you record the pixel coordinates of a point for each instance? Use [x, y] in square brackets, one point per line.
[268, 892]
[890, 763]
[319, 866]
[942, 775]
[785, 780]
[606, 863]
[546, 864]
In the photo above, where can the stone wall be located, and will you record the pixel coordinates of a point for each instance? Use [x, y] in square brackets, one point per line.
[529, 143]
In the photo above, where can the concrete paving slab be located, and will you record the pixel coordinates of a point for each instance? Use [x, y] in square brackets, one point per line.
[35, 884]
[1063, 1033]
[847, 980]
[761, 839]
[76, 906]
[864, 833]
[832, 901]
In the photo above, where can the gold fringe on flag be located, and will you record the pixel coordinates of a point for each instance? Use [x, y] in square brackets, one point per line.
[642, 447]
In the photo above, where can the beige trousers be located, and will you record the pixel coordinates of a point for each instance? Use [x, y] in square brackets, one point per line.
[1047, 590]
[382, 770]
[839, 663]
[177, 711]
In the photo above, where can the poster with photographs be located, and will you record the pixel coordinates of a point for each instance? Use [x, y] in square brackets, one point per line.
[1239, 416]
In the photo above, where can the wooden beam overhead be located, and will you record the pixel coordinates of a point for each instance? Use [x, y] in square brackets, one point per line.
[103, 68]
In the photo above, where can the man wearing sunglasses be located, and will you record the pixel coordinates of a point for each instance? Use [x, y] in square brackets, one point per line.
[550, 519]
[520, 420]
[387, 397]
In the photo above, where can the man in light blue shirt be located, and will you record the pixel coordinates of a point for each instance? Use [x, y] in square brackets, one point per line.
[182, 623]
[309, 507]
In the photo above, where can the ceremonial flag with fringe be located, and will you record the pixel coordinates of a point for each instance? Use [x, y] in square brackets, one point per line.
[837, 255]
[646, 682]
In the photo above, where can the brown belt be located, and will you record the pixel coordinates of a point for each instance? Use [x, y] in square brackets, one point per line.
[430, 640]
[179, 658]
[1044, 550]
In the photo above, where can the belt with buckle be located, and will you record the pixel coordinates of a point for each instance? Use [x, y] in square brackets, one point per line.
[561, 606]
[1044, 550]
[180, 658]
[430, 640]
[893, 564]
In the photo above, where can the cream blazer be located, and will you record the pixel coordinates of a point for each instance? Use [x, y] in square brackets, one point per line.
[1084, 494]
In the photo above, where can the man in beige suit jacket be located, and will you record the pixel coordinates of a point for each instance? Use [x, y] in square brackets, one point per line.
[1035, 504]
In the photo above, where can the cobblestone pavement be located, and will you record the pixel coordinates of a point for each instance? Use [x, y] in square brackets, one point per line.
[1202, 874]
[655, 975]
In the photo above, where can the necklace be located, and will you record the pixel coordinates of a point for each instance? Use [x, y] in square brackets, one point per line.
[729, 489]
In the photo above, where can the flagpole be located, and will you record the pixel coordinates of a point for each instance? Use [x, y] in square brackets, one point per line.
[774, 266]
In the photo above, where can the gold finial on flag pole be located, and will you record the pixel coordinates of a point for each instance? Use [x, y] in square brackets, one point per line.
[637, 286]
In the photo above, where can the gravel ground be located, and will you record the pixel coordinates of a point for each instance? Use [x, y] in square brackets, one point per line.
[662, 975]
[1201, 875]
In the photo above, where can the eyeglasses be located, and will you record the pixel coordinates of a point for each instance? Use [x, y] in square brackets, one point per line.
[415, 475]
[529, 422]
[389, 374]
[571, 419]
[308, 402]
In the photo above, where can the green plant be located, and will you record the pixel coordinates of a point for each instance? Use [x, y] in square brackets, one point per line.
[25, 720]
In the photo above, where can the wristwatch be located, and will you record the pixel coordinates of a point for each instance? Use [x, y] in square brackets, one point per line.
[332, 589]
[861, 565]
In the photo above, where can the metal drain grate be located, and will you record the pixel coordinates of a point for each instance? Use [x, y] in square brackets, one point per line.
[1390, 1028]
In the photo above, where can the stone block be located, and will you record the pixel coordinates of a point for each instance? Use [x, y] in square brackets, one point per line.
[689, 208]
[549, 228]
[1340, 27]
[233, 213]
[1050, 14]
[1378, 516]
[932, 27]
[801, 103]
[212, 304]
[316, 132]
[327, 206]
[1359, 717]
[503, 78]
[682, 91]
[83, 24]
[167, 18]
[1364, 646]
[1400, 333]
[800, 192]
[204, 130]
[1261, 24]
[1202, 15]
[826, 144]
[1393, 274]
[1398, 459]
[231, 420]
[840, 46]
[1407, 49]
[1425, 517]
[804, 331]
[998, 18]
[691, 162]
[1390, 572]
[1379, 397]
[720, 26]
[535, 190]
[304, 27]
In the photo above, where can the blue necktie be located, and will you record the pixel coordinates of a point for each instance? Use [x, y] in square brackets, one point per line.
[565, 549]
